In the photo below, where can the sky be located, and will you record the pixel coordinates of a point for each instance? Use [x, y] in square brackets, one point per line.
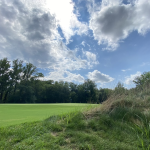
[107, 41]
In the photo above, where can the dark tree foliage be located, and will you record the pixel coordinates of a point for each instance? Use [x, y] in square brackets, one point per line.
[22, 83]
[103, 94]
[4, 78]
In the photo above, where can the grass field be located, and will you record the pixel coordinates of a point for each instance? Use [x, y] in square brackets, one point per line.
[11, 114]
[120, 123]
[117, 124]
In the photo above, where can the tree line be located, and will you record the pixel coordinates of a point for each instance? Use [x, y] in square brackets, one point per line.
[21, 83]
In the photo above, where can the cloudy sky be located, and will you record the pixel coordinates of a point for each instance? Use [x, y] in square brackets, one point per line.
[71, 40]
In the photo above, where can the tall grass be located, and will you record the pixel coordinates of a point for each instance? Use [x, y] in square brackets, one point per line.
[132, 107]
[142, 130]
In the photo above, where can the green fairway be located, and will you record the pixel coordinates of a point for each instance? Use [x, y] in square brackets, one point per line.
[11, 114]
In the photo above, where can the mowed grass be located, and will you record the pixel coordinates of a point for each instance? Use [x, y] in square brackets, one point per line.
[11, 114]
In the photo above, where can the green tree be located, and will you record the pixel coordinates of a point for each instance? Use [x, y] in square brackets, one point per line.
[87, 92]
[103, 94]
[27, 90]
[4, 77]
[17, 68]
[73, 97]
[81, 94]
[119, 89]
[142, 81]
[30, 72]
[90, 90]
[73, 92]
[15, 78]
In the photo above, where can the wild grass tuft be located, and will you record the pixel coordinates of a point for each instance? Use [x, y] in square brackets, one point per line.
[142, 129]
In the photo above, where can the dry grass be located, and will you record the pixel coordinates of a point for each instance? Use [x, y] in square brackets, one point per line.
[92, 113]
[134, 100]
[54, 134]
[116, 101]
[124, 100]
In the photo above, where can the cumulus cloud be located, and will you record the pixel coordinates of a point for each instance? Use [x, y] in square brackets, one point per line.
[91, 58]
[29, 32]
[129, 79]
[99, 77]
[60, 75]
[113, 21]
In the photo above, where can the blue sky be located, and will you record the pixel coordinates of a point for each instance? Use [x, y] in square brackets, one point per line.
[72, 40]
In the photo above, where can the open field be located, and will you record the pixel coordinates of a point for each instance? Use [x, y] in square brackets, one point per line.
[90, 130]
[11, 114]
[117, 124]
[120, 123]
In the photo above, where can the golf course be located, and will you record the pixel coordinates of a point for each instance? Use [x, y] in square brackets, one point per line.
[11, 114]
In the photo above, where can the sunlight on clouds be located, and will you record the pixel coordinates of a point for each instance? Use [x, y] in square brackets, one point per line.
[63, 10]
[35, 32]
[68, 21]
[34, 37]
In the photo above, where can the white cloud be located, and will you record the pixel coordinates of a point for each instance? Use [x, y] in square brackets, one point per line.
[113, 21]
[28, 31]
[66, 18]
[99, 77]
[28, 34]
[74, 77]
[61, 75]
[124, 70]
[83, 43]
[129, 79]
[65, 15]
[91, 58]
